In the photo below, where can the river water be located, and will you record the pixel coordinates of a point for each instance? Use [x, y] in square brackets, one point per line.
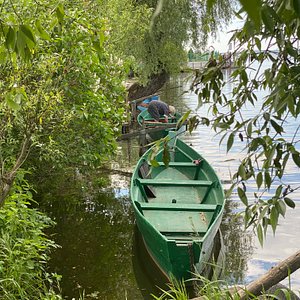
[101, 255]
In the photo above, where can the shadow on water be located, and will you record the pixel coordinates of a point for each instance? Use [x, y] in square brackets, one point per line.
[148, 277]
[151, 280]
[95, 231]
[101, 253]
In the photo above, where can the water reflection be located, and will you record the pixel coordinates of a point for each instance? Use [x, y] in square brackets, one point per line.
[100, 252]
[95, 231]
[246, 259]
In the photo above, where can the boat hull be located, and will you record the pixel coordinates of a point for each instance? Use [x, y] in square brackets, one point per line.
[180, 217]
[144, 119]
[175, 260]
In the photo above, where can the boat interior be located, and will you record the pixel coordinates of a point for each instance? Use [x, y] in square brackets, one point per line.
[179, 200]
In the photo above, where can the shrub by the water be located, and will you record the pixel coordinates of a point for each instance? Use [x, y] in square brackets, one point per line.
[24, 251]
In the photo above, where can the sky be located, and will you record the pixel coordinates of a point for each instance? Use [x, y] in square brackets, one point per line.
[220, 43]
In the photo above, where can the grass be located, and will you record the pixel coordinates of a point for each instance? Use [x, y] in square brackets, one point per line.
[218, 290]
[24, 251]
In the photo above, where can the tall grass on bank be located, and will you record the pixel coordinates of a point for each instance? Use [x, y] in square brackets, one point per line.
[219, 290]
[24, 251]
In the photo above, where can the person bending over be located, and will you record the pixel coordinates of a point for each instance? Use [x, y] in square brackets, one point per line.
[159, 109]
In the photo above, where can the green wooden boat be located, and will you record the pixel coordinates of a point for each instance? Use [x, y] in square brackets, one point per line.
[146, 120]
[178, 209]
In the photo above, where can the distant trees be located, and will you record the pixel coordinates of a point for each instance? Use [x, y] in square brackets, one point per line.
[175, 25]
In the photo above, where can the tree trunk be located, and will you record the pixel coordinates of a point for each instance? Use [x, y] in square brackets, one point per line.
[7, 179]
[156, 82]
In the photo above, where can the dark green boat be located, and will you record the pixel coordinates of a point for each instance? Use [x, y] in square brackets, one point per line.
[178, 209]
[146, 120]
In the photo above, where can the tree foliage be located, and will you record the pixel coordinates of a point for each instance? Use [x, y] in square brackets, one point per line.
[267, 60]
[155, 41]
[61, 92]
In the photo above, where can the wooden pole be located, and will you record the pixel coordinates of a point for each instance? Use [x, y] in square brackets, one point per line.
[272, 277]
[142, 140]
[159, 127]
[269, 279]
[136, 101]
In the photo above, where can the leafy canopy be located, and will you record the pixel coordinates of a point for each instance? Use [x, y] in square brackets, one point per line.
[151, 36]
[267, 60]
[61, 92]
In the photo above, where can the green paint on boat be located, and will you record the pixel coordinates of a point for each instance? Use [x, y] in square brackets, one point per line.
[178, 209]
[145, 119]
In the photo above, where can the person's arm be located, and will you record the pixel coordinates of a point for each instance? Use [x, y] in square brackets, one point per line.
[166, 113]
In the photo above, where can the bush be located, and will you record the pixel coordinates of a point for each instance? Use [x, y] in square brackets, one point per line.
[24, 251]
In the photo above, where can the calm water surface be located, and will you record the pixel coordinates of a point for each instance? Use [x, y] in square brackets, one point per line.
[101, 253]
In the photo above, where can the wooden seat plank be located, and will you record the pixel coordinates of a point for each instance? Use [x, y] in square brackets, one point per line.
[178, 222]
[171, 182]
[179, 164]
[178, 206]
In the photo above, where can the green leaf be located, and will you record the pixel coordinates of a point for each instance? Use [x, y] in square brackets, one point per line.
[3, 54]
[267, 18]
[260, 234]
[296, 159]
[97, 45]
[258, 43]
[259, 179]
[26, 29]
[291, 50]
[244, 76]
[193, 123]
[274, 218]
[262, 213]
[154, 163]
[230, 141]
[60, 13]
[183, 118]
[242, 196]
[42, 32]
[210, 4]
[289, 202]
[10, 40]
[277, 127]
[268, 179]
[242, 171]
[296, 4]
[278, 191]
[166, 155]
[281, 207]
[249, 129]
[21, 43]
[101, 38]
[11, 103]
[252, 8]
